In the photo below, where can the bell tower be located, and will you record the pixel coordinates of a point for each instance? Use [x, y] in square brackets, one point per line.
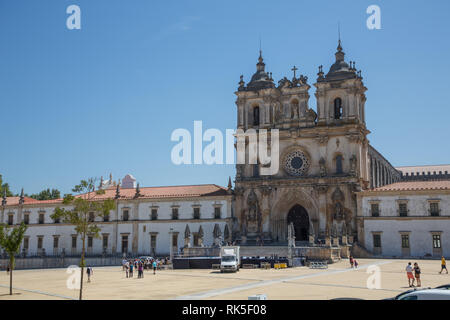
[340, 93]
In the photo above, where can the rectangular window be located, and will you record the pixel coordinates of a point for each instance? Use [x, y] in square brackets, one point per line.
[55, 242]
[26, 243]
[125, 215]
[40, 242]
[196, 213]
[106, 218]
[405, 241]
[175, 240]
[195, 239]
[57, 220]
[153, 241]
[403, 209]
[105, 241]
[375, 210]
[434, 209]
[41, 218]
[217, 213]
[175, 213]
[10, 219]
[91, 217]
[74, 242]
[436, 241]
[377, 241]
[154, 215]
[26, 218]
[124, 244]
[90, 241]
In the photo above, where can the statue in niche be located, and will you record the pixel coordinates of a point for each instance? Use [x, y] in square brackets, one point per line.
[253, 207]
[323, 169]
[353, 165]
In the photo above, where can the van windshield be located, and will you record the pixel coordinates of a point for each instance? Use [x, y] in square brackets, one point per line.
[228, 258]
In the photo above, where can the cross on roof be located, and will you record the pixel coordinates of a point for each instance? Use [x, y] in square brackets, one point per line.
[294, 69]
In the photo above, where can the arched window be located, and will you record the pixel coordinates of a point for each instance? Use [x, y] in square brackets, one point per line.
[256, 116]
[339, 164]
[337, 108]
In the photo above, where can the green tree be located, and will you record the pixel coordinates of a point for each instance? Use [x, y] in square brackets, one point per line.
[47, 195]
[84, 208]
[10, 240]
[4, 187]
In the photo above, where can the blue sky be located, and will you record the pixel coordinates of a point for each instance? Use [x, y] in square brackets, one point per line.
[106, 98]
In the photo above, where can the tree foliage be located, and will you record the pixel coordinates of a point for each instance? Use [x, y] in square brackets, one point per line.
[81, 211]
[4, 187]
[47, 194]
[10, 240]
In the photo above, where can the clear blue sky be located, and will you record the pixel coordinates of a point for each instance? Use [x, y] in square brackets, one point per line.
[82, 103]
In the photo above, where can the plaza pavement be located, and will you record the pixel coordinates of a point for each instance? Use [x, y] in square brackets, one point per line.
[338, 281]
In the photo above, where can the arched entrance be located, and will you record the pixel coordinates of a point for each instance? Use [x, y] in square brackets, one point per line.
[299, 217]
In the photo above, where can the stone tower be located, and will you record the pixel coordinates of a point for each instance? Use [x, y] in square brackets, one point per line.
[322, 156]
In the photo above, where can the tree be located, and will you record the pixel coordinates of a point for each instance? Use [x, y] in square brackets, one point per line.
[10, 240]
[4, 187]
[47, 195]
[84, 209]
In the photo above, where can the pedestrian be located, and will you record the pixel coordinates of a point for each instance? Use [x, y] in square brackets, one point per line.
[127, 268]
[356, 263]
[443, 265]
[409, 274]
[154, 266]
[131, 270]
[141, 269]
[351, 261]
[417, 274]
[89, 272]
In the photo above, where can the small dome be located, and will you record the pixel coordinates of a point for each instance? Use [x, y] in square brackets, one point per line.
[128, 182]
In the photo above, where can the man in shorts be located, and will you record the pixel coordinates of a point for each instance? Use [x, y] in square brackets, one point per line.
[409, 274]
[443, 265]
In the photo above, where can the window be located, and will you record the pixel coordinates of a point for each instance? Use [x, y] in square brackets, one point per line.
[91, 217]
[338, 108]
[26, 218]
[175, 240]
[10, 219]
[375, 210]
[57, 220]
[90, 241]
[55, 242]
[154, 214]
[106, 218]
[153, 242]
[409, 298]
[403, 209]
[434, 209]
[41, 218]
[217, 212]
[436, 241]
[174, 213]
[405, 241]
[196, 239]
[255, 170]
[256, 116]
[74, 242]
[26, 243]
[124, 244]
[105, 241]
[40, 242]
[338, 164]
[125, 215]
[196, 213]
[377, 240]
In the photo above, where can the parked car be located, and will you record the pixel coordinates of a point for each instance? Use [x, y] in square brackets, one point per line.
[424, 294]
[444, 286]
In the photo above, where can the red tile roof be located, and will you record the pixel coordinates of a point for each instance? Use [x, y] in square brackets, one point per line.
[146, 193]
[416, 185]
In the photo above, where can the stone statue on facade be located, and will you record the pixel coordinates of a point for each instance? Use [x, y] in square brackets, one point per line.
[323, 168]
[353, 165]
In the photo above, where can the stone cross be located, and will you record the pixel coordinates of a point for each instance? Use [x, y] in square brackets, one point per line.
[294, 69]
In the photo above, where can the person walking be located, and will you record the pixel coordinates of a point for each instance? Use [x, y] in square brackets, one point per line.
[356, 263]
[141, 269]
[154, 266]
[409, 274]
[443, 265]
[351, 261]
[131, 270]
[127, 269]
[89, 273]
[417, 274]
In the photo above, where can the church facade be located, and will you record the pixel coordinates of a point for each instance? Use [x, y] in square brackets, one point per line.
[325, 157]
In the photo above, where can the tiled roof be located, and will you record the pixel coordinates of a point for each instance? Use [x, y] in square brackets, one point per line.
[146, 193]
[164, 192]
[416, 185]
[425, 169]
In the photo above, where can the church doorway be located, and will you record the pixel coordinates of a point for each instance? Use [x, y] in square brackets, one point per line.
[299, 217]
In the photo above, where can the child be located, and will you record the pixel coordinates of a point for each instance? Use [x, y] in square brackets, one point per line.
[356, 263]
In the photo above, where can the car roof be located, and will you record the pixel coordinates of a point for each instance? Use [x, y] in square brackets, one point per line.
[438, 292]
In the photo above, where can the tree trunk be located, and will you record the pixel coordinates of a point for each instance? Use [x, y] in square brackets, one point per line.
[82, 266]
[11, 264]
